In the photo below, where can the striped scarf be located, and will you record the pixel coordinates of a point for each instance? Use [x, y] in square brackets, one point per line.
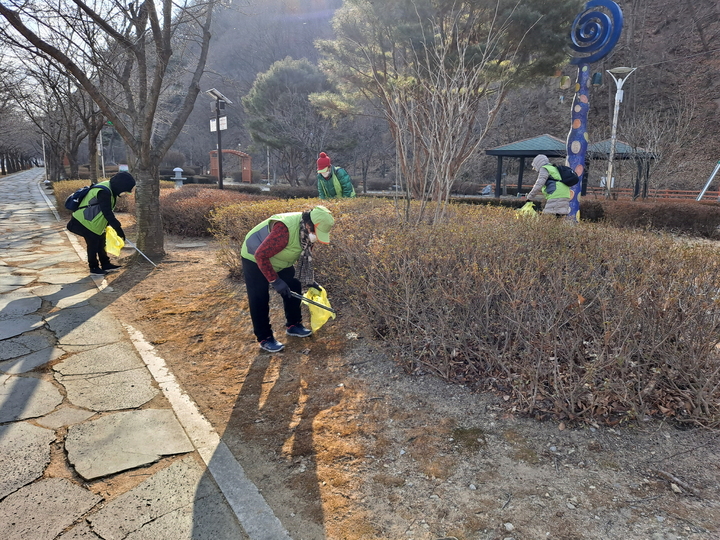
[304, 267]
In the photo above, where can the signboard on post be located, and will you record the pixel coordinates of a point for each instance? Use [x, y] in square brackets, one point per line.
[223, 124]
[218, 125]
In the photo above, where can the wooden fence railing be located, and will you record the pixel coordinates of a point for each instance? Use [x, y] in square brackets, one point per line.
[627, 193]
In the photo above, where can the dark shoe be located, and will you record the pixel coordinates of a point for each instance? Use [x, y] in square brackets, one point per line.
[271, 345]
[298, 330]
[98, 271]
[110, 266]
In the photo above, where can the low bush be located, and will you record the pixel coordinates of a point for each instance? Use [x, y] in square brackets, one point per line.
[250, 189]
[468, 188]
[379, 184]
[587, 322]
[204, 180]
[688, 217]
[285, 191]
[679, 217]
[62, 189]
[186, 212]
[125, 203]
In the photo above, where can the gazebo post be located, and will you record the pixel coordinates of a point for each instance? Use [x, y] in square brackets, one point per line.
[498, 178]
[520, 174]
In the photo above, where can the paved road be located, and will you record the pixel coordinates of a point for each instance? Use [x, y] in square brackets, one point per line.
[85, 403]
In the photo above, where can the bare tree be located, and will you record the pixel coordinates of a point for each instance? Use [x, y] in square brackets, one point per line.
[439, 71]
[17, 138]
[61, 111]
[662, 137]
[435, 115]
[131, 59]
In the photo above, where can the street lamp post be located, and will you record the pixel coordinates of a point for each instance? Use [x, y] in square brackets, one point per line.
[619, 75]
[220, 101]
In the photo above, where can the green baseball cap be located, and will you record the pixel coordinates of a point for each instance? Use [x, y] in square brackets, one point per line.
[323, 221]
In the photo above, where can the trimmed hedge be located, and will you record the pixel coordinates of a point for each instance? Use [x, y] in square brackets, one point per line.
[680, 217]
[587, 322]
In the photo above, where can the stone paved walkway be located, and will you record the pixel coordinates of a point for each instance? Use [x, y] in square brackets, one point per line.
[82, 403]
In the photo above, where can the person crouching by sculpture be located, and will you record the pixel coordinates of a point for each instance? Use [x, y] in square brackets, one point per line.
[548, 184]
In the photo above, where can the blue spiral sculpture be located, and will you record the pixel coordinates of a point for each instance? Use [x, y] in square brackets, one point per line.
[594, 33]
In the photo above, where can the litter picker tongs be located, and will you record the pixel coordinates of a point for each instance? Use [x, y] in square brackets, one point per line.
[128, 242]
[313, 302]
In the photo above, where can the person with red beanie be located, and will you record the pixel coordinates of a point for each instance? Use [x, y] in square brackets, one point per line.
[333, 182]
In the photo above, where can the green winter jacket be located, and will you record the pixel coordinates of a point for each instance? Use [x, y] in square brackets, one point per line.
[338, 185]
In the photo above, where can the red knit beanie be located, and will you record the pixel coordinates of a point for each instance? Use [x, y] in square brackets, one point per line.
[323, 161]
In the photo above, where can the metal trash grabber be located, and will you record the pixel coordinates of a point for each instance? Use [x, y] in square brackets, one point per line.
[128, 242]
[313, 302]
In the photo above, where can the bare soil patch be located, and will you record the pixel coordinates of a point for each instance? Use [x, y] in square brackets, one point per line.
[345, 446]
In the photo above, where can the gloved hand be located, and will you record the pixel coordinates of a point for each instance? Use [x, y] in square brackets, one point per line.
[120, 232]
[281, 288]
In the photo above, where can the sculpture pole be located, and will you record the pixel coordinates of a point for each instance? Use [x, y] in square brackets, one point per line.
[594, 33]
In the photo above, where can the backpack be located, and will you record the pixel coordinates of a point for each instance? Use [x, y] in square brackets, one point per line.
[72, 203]
[567, 175]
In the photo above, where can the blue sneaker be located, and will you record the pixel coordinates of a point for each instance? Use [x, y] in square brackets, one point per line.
[271, 345]
[298, 330]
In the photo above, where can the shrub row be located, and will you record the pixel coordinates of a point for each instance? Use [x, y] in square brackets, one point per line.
[680, 217]
[186, 211]
[587, 322]
[64, 188]
[688, 217]
[579, 322]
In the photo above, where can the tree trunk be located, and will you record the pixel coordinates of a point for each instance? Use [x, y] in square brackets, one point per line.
[94, 127]
[93, 160]
[147, 213]
[74, 172]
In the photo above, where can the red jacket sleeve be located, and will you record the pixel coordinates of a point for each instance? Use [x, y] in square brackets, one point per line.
[273, 244]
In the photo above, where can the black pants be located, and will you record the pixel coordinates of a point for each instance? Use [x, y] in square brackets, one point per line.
[259, 298]
[96, 255]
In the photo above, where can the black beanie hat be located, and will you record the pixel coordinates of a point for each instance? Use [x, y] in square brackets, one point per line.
[122, 182]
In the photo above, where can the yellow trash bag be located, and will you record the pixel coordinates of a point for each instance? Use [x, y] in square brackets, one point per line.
[527, 210]
[318, 315]
[113, 243]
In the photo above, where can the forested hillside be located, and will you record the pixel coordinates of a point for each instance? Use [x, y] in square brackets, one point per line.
[671, 103]
[670, 106]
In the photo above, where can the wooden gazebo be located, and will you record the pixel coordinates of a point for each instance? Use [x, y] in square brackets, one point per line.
[555, 147]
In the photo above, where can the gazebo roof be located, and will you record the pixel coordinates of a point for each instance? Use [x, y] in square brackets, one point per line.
[544, 144]
[555, 147]
[622, 150]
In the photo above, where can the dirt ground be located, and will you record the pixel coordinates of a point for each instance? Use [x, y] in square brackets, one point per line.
[345, 446]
